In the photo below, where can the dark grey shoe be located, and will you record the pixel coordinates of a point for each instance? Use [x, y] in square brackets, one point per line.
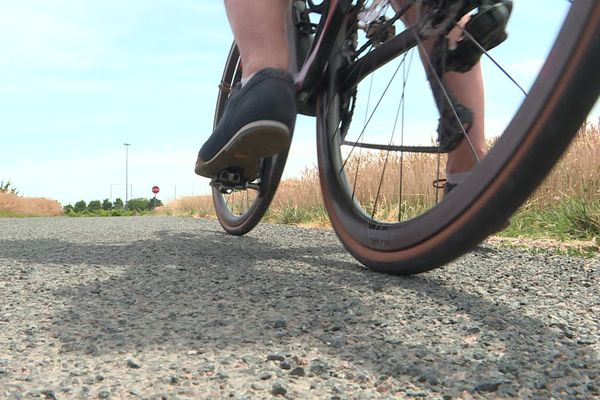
[257, 122]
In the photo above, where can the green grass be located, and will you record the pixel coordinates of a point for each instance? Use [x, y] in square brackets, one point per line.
[568, 220]
[11, 214]
[571, 219]
[293, 214]
[108, 213]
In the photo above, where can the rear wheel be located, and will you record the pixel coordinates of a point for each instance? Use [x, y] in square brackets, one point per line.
[240, 209]
[394, 225]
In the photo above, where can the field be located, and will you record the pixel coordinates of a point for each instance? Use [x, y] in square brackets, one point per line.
[566, 206]
[12, 205]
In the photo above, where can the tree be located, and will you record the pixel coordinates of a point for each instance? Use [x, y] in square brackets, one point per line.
[68, 208]
[119, 204]
[139, 204]
[80, 206]
[107, 205]
[95, 205]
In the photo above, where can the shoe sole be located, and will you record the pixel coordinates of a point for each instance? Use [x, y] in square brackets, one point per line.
[252, 142]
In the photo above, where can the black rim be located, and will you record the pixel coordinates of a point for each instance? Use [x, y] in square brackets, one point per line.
[381, 236]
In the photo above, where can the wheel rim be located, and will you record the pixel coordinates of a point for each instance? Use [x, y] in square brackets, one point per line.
[241, 208]
[358, 221]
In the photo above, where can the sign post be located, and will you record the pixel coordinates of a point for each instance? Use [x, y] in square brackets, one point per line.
[155, 190]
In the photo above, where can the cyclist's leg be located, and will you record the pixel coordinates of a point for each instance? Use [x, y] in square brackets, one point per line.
[468, 90]
[259, 30]
[259, 117]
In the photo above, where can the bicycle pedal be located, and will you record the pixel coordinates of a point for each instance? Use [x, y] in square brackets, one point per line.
[230, 179]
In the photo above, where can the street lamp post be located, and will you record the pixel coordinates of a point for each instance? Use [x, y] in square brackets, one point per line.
[126, 172]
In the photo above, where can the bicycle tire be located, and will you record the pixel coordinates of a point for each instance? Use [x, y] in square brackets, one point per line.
[537, 136]
[270, 172]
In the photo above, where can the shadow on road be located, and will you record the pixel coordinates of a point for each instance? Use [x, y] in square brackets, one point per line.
[206, 291]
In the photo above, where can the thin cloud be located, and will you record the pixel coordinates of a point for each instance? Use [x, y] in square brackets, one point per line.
[527, 67]
[183, 58]
[65, 38]
[205, 6]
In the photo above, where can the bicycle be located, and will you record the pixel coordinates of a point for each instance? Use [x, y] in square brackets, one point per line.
[330, 63]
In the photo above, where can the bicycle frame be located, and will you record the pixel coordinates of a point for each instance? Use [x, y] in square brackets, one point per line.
[309, 55]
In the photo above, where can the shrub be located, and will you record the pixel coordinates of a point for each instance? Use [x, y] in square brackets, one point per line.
[95, 205]
[107, 205]
[80, 206]
[139, 204]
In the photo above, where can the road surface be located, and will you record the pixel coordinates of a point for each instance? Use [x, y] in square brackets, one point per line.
[163, 307]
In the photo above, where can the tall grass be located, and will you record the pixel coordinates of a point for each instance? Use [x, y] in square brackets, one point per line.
[376, 192]
[12, 205]
[195, 206]
[567, 204]
[577, 175]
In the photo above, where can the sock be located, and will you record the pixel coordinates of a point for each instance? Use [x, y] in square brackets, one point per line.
[458, 177]
[246, 79]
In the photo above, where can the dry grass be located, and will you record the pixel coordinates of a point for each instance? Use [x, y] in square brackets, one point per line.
[196, 206]
[379, 184]
[13, 205]
[304, 191]
[419, 172]
[577, 176]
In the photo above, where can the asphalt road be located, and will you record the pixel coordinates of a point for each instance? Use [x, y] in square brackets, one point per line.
[159, 307]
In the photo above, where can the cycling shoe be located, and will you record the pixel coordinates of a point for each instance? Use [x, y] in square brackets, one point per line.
[257, 122]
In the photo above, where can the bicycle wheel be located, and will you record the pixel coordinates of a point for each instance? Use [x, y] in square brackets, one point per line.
[404, 231]
[239, 210]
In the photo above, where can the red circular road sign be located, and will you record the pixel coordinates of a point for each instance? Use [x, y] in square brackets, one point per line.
[155, 189]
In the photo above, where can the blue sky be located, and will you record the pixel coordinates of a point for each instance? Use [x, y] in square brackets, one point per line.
[79, 78]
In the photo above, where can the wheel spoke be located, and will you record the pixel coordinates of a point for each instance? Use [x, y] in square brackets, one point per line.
[401, 169]
[492, 59]
[391, 141]
[364, 123]
[364, 128]
[437, 178]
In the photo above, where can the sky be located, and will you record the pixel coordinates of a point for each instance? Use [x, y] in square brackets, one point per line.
[79, 78]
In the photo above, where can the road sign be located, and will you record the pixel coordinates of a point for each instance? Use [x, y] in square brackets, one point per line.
[155, 189]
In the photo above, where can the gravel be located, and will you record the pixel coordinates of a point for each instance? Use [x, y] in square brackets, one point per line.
[172, 308]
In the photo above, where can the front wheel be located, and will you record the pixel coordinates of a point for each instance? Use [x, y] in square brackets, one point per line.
[392, 225]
